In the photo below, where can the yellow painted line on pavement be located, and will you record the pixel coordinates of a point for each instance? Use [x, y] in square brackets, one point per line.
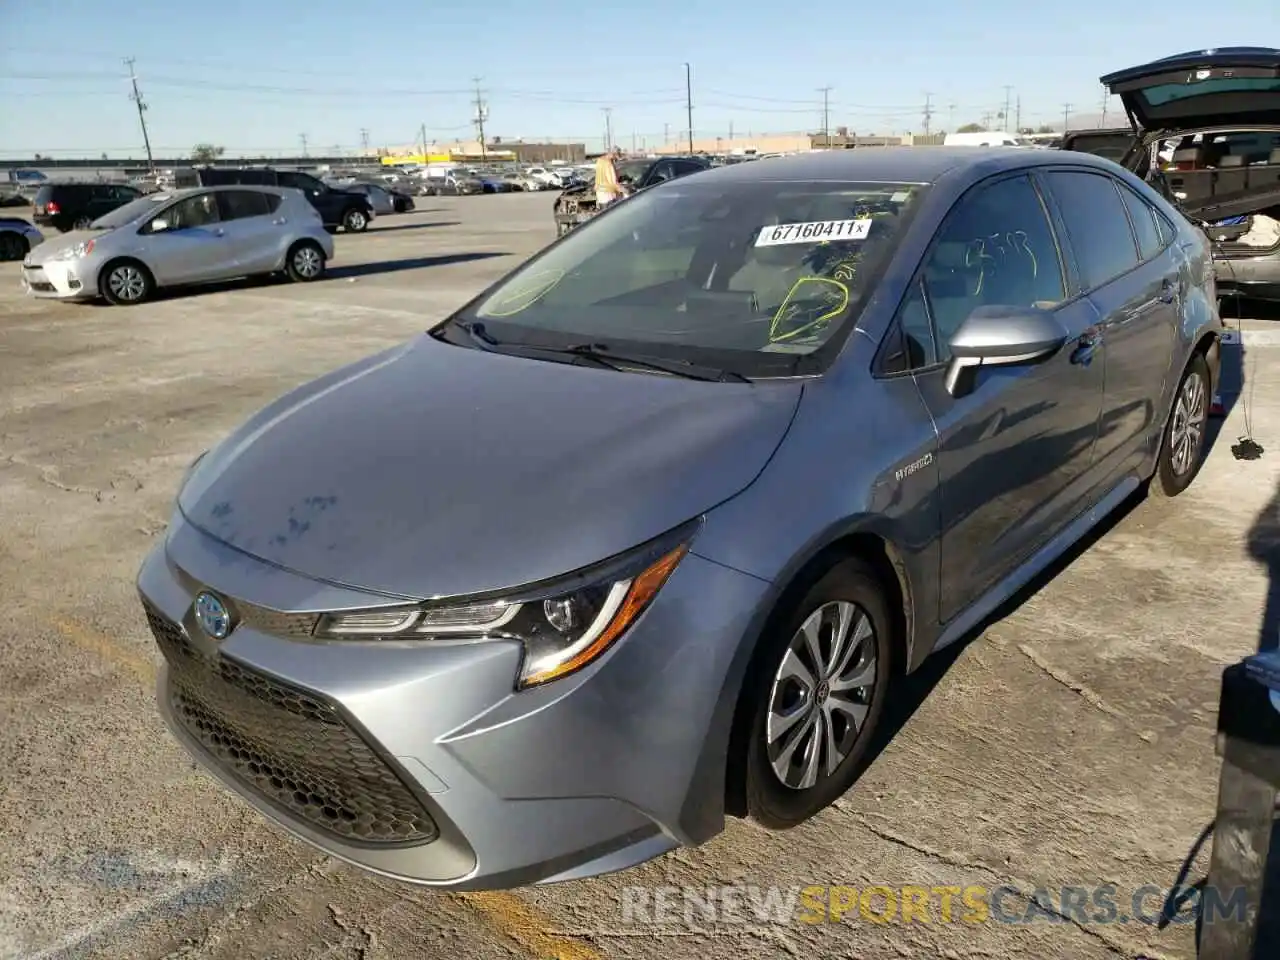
[115, 653]
[527, 926]
[505, 913]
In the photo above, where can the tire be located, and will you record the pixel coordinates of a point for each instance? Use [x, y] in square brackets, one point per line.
[82, 223]
[305, 262]
[125, 283]
[13, 246]
[782, 794]
[355, 221]
[1183, 443]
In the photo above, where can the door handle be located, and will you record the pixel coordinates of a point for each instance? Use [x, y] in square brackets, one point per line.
[1082, 355]
[1168, 291]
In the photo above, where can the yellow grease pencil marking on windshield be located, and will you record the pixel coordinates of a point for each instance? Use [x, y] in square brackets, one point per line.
[527, 296]
[776, 337]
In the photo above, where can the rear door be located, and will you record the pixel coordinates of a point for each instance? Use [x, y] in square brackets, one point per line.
[1015, 454]
[252, 232]
[1131, 274]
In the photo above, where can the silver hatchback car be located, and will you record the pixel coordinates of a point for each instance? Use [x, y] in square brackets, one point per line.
[200, 235]
[646, 533]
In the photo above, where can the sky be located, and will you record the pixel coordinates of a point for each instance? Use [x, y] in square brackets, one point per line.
[267, 78]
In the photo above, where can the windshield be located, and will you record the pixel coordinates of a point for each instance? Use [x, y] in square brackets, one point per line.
[131, 212]
[633, 170]
[746, 276]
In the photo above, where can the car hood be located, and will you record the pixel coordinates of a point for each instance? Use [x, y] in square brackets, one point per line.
[434, 470]
[1222, 87]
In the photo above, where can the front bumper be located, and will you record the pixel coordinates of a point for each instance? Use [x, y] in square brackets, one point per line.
[418, 761]
[59, 280]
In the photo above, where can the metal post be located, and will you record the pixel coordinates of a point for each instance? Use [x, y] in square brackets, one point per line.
[688, 103]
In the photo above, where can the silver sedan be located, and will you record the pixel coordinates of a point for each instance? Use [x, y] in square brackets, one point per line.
[199, 235]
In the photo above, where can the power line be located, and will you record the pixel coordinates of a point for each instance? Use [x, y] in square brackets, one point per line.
[142, 113]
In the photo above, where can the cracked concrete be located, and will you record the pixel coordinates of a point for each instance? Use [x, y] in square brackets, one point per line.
[1071, 744]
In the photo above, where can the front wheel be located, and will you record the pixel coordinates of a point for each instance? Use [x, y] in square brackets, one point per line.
[1185, 435]
[305, 263]
[355, 221]
[126, 283]
[819, 688]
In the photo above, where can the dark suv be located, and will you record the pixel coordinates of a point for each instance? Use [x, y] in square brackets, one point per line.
[73, 206]
[338, 208]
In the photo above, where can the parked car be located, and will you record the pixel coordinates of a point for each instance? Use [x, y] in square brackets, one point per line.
[17, 236]
[523, 183]
[379, 197]
[1220, 110]
[337, 207]
[707, 476]
[578, 203]
[69, 205]
[198, 235]
[453, 184]
[493, 183]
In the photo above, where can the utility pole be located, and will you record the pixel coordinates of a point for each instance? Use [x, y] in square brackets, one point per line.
[986, 120]
[423, 132]
[1106, 97]
[303, 138]
[1005, 116]
[142, 119]
[1066, 116]
[688, 103]
[633, 141]
[826, 115]
[481, 115]
[928, 112]
[608, 129]
[666, 134]
[364, 140]
[951, 117]
[1017, 127]
[731, 131]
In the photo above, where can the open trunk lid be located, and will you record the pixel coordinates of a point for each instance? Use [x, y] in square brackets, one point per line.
[1114, 143]
[1220, 87]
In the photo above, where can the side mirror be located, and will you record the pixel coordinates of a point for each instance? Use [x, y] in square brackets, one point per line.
[1002, 336]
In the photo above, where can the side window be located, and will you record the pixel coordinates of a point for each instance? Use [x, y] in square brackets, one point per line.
[273, 201]
[299, 181]
[1143, 216]
[240, 204]
[910, 345]
[1168, 232]
[662, 170]
[994, 248]
[197, 211]
[1096, 223]
[685, 167]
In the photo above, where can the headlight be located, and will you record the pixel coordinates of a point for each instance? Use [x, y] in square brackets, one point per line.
[562, 627]
[82, 249]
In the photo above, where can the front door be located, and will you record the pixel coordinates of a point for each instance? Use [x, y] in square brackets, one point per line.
[1128, 265]
[186, 243]
[1015, 454]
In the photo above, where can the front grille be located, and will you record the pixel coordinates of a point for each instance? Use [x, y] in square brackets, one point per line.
[292, 747]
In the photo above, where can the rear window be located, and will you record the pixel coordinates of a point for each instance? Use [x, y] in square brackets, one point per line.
[745, 271]
[1173, 92]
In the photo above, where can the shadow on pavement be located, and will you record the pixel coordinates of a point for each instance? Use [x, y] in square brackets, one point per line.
[411, 226]
[410, 263]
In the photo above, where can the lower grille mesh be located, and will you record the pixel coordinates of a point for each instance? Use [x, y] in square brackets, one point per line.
[290, 746]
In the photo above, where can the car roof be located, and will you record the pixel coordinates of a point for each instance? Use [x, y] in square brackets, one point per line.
[894, 164]
[220, 188]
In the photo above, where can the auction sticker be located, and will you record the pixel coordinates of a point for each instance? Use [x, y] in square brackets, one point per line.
[814, 231]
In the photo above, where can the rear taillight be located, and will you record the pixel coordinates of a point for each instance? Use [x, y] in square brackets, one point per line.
[52, 208]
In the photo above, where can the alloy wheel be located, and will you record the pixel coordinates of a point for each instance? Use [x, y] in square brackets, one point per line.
[821, 694]
[127, 282]
[308, 262]
[1186, 433]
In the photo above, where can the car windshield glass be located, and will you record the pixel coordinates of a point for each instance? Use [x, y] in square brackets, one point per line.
[744, 276]
[131, 212]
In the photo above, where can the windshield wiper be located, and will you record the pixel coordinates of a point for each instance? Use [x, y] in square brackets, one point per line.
[603, 353]
[477, 332]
